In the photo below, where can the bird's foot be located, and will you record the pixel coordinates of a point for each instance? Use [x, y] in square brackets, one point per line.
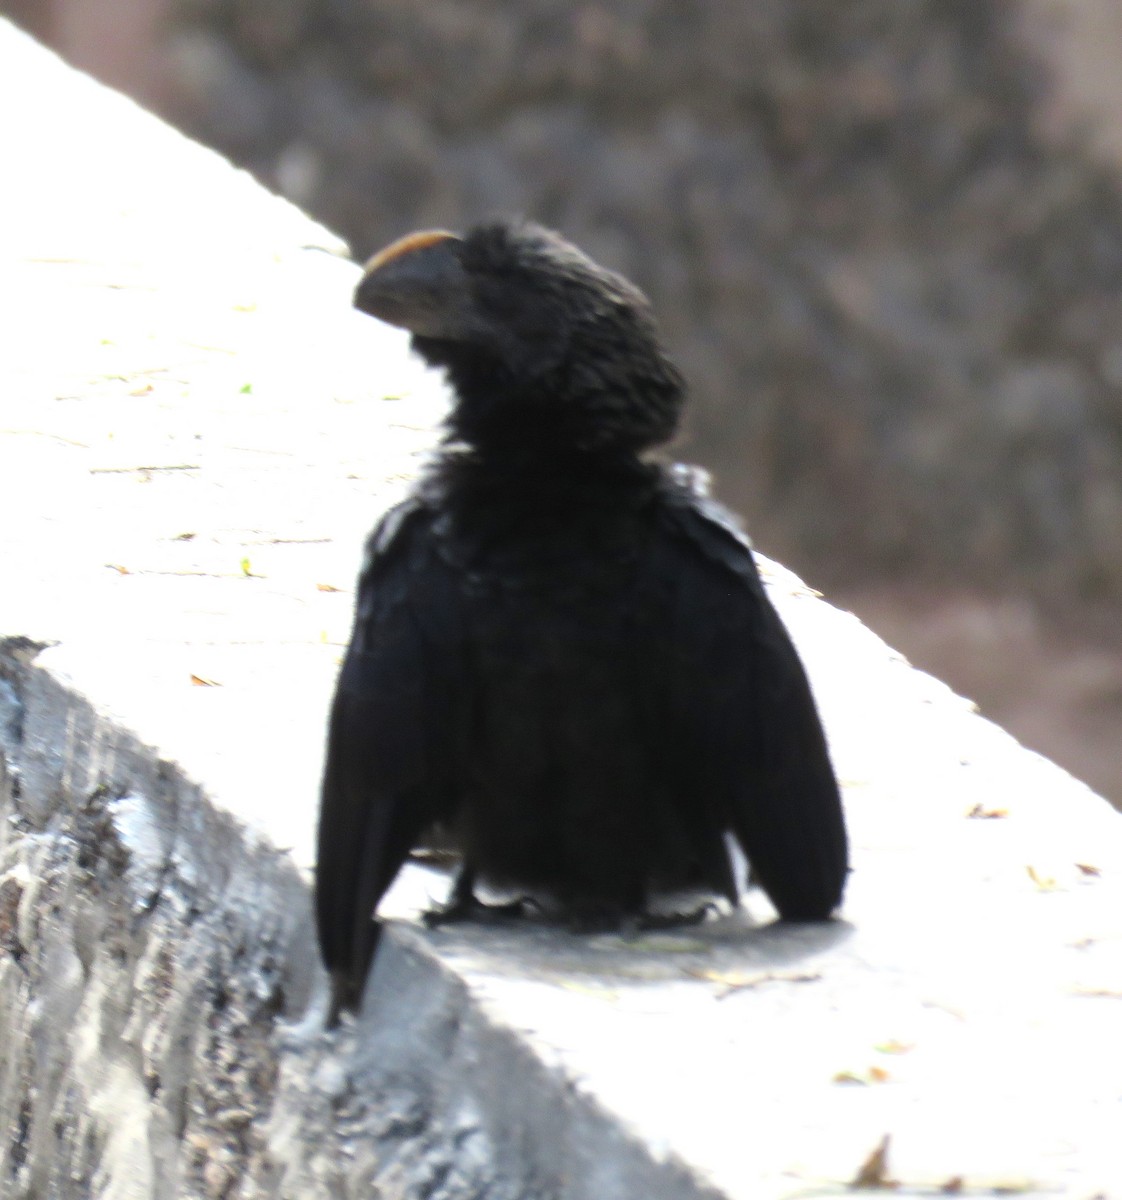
[470, 908]
[608, 919]
[652, 922]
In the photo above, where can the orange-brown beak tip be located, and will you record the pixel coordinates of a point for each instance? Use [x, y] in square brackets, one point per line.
[418, 283]
[404, 246]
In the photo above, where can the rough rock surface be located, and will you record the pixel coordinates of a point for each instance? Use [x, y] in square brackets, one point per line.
[157, 958]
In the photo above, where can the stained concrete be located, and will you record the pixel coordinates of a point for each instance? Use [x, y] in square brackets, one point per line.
[194, 435]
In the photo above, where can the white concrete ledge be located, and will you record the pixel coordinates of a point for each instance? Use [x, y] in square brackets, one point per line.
[194, 437]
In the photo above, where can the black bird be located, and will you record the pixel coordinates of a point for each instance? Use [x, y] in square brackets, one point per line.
[562, 652]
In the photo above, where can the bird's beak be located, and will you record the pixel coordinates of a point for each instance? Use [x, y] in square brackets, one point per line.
[418, 283]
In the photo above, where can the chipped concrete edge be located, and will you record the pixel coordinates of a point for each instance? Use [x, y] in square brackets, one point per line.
[163, 1008]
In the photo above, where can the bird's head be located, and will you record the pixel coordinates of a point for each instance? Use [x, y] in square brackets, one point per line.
[543, 347]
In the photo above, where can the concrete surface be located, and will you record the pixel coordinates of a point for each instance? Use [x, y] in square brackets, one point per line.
[195, 433]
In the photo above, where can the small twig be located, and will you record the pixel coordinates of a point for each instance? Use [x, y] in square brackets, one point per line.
[141, 470]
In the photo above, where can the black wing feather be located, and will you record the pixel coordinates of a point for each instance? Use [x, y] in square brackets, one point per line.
[385, 775]
[753, 713]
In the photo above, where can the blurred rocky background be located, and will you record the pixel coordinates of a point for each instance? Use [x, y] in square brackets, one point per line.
[884, 240]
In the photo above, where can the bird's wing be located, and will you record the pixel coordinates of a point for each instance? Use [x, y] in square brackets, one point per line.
[388, 746]
[745, 697]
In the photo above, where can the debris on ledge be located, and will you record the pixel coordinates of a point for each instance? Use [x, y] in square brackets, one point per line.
[196, 435]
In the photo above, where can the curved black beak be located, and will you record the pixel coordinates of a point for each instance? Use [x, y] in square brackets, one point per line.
[418, 283]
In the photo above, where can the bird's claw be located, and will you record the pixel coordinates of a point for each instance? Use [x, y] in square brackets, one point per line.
[469, 908]
[654, 921]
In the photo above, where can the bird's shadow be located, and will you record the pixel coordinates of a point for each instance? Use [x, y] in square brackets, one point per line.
[735, 943]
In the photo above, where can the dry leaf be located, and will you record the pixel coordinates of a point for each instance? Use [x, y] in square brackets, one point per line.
[872, 1075]
[892, 1046]
[327, 587]
[1087, 869]
[874, 1170]
[202, 681]
[980, 813]
[1044, 882]
[118, 568]
[737, 981]
[954, 1186]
